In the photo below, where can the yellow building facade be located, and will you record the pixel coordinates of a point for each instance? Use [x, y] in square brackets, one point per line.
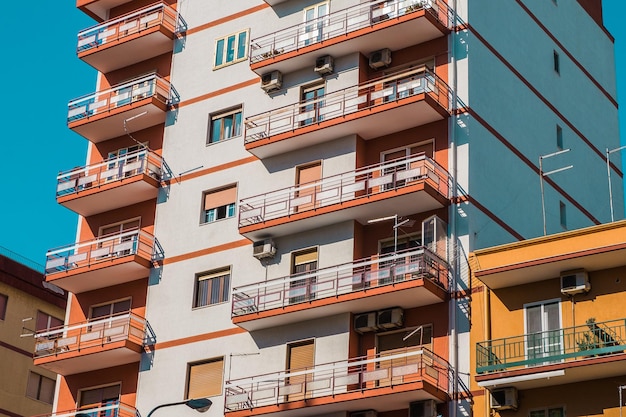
[25, 389]
[549, 325]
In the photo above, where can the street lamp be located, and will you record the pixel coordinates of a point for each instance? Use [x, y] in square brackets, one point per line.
[545, 174]
[608, 173]
[199, 404]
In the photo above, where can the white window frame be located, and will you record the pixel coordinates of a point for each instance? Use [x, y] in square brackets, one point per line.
[235, 60]
[534, 304]
[220, 115]
[213, 274]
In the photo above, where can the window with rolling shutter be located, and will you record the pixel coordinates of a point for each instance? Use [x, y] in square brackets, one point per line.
[303, 263]
[219, 204]
[100, 397]
[205, 378]
[299, 356]
[212, 287]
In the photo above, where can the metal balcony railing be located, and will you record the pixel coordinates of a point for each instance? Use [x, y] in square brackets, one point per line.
[121, 95]
[391, 368]
[353, 185]
[336, 105]
[97, 332]
[342, 23]
[158, 14]
[103, 249]
[342, 279]
[109, 171]
[111, 409]
[563, 345]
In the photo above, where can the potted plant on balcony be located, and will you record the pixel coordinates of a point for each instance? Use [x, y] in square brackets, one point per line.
[419, 4]
[272, 53]
[588, 339]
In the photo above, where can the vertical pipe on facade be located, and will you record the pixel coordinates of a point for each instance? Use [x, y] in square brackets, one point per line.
[453, 231]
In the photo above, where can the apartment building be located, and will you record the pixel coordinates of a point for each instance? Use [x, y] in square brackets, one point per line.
[548, 325]
[26, 306]
[280, 196]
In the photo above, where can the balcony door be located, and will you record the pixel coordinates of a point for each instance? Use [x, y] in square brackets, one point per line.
[302, 263]
[305, 195]
[401, 342]
[115, 329]
[300, 356]
[543, 331]
[314, 24]
[116, 161]
[103, 398]
[311, 99]
[121, 246]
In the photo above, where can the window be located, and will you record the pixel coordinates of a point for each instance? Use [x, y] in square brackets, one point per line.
[311, 97]
[303, 263]
[314, 28]
[109, 309]
[300, 356]
[231, 49]
[543, 335]
[40, 388]
[204, 379]
[219, 204]
[45, 322]
[212, 287]
[563, 214]
[99, 397]
[559, 137]
[548, 412]
[557, 64]
[3, 306]
[225, 125]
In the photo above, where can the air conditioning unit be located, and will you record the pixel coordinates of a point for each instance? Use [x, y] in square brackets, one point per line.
[426, 408]
[380, 59]
[272, 81]
[390, 318]
[364, 413]
[504, 399]
[575, 282]
[324, 65]
[365, 322]
[263, 249]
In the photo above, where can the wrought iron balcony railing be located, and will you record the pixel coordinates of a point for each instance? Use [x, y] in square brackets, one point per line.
[342, 23]
[554, 346]
[342, 279]
[392, 368]
[337, 189]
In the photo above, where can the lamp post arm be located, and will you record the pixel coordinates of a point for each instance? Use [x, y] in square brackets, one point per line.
[165, 405]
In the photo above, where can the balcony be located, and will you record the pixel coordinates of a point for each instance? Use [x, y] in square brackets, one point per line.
[403, 186]
[393, 24]
[406, 279]
[106, 410]
[580, 353]
[131, 38]
[134, 105]
[402, 376]
[114, 183]
[94, 344]
[372, 109]
[109, 260]
[99, 9]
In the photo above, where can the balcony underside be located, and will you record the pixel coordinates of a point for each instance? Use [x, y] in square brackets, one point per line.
[558, 373]
[99, 9]
[111, 196]
[110, 124]
[369, 123]
[407, 294]
[102, 273]
[395, 34]
[418, 198]
[127, 51]
[380, 399]
[92, 358]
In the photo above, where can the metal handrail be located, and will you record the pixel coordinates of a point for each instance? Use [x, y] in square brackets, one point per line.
[335, 105]
[102, 249]
[151, 85]
[113, 169]
[362, 274]
[342, 23]
[361, 373]
[98, 332]
[553, 346]
[336, 189]
[126, 25]
[117, 409]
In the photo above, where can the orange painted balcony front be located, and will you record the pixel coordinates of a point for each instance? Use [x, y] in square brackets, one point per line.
[114, 409]
[402, 186]
[407, 279]
[131, 38]
[95, 344]
[128, 107]
[115, 183]
[99, 9]
[366, 27]
[372, 109]
[382, 382]
[109, 260]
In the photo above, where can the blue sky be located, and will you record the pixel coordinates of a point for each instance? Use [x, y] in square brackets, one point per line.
[41, 74]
